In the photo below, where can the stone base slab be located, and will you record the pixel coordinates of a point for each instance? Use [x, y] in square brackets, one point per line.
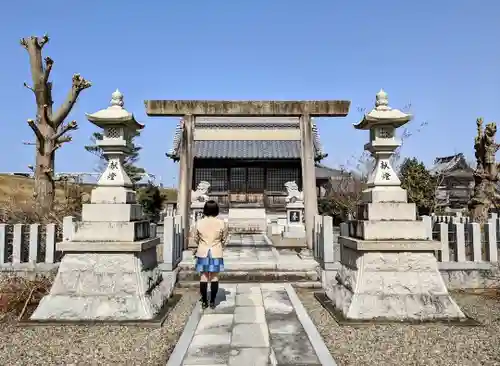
[107, 246]
[323, 299]
[112, 231]
[277, 229]
[247, 219]
[387, 211]
[388, 230]
[156, 322]
[389, 245]
[112, 212]
[384, 194]
[294, 234]
[107, 286]
[112, 195]
[392, 286]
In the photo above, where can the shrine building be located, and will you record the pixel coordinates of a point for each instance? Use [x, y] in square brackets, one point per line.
[247, 160]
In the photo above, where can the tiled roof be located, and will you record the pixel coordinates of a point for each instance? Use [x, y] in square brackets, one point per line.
[325, 172]
[446, 164]
[447, 159]
[241, 149]
[245, 122]
[249, 149]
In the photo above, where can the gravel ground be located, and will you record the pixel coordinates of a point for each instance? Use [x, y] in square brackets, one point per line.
[431, 344]
[98, 345]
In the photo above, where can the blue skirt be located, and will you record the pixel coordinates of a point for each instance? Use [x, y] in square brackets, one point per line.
[209, 264]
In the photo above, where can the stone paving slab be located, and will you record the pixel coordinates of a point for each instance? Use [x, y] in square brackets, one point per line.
[257, 254]
[253, 324]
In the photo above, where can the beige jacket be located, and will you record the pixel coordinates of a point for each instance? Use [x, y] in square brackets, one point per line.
[210, 233]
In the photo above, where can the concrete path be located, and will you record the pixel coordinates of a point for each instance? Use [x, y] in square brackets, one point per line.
[253, 324]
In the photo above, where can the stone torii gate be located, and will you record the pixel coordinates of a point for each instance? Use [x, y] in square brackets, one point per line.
[304, 110]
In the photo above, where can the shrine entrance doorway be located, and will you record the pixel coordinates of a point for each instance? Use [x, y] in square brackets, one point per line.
[246, 187]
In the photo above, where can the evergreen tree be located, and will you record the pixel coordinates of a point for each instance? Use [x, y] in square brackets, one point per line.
[151, 200]
[419, 183]
[134, 172]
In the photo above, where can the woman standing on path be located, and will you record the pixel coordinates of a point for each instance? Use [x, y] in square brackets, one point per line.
[210, 235]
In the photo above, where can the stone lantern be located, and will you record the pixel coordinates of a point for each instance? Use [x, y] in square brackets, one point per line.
[109, 270]
[118, 125]
[388, 268]
[383, 182]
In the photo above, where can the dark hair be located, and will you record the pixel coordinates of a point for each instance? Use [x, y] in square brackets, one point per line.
[211, 208]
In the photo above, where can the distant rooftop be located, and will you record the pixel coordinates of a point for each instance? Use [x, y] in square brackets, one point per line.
[453, 163]
[325, 172]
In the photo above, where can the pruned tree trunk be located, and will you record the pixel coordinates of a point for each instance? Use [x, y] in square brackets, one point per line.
[49, 128]
[486, 172]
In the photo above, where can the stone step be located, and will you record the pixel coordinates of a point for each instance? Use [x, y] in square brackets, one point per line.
[186, 275]
[298, 284]
[261, 265]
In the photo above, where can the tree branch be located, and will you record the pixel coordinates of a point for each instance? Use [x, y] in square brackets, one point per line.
[45, 111]
[25, 84]
[69, 127]
[31, 44]
[36, 130]
[61, 140]
[24, 42]
[48, 67]
[78, 84]
[42, 41]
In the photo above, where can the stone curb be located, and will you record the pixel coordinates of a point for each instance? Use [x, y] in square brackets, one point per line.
[317, 342]
[184, 341]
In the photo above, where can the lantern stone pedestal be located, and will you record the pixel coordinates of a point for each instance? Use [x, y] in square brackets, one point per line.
[295, 227]
[109, 271]
[388, 268]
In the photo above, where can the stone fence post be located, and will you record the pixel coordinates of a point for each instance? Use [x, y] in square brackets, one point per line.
[172, 242]
[68, 229]
[428, 226]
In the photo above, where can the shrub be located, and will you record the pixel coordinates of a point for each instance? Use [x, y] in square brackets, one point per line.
[18, 292]
[151, 200]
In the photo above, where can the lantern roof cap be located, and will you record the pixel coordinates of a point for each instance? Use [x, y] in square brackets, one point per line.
[115, 114]
[383, 114]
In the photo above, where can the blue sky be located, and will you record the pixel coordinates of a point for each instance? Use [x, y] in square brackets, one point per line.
[441, 56]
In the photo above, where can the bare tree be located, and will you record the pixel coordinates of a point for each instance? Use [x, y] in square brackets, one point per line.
[49, 128]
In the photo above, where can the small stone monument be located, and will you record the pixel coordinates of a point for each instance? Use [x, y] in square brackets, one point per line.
[109, 270]
[294, 212]
[198, 200]
[388, 270]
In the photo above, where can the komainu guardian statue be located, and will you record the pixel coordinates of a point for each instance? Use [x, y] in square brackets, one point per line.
[294, 195]
[486, 174]
[200, 195]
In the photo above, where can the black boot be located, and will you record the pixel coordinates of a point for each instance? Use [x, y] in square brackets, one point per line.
[204, 295]
[214, 287]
